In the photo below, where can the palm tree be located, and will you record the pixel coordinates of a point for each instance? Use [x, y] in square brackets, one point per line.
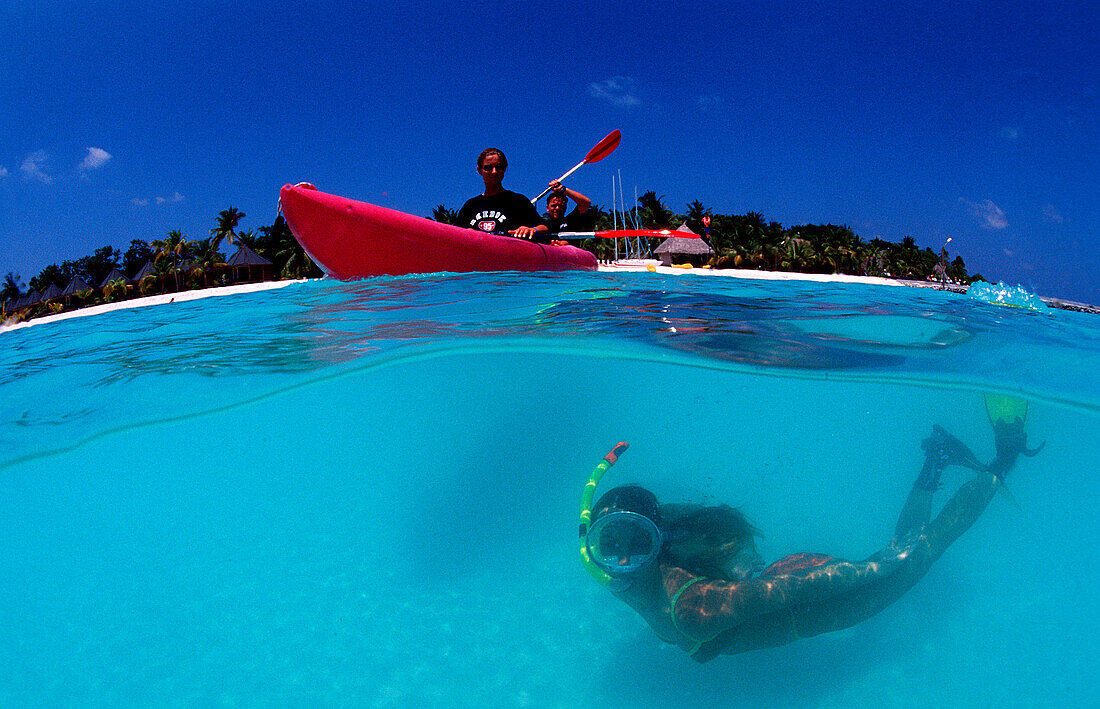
[12, 288]
[228, 219]
[249, 239]
[444, 215]
[695, 213]
[763, 254]
[175, 244]
[207, 258]
[654, 211]
[148, 284]
[115, 289]
[279, 246]
[286, 250]
[298, 263]
[601, 220]
[799, 253]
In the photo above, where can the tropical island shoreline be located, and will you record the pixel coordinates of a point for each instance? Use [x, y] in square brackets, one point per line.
[740, 246]
[621, 266]
[151, 300]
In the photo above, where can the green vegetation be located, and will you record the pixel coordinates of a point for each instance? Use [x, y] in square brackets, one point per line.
[172, 263]
[749, 241]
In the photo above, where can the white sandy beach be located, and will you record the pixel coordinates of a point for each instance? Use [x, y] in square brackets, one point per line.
[152, 300]
[622, 266]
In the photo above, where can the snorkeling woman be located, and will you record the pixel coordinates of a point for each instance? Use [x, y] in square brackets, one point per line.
[693, 573]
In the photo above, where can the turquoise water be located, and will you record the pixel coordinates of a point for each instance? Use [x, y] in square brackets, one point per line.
[366, 494]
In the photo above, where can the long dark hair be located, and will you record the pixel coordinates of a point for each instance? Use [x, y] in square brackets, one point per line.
[713, 541]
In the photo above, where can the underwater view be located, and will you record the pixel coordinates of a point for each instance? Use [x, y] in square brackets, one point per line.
[367, 493]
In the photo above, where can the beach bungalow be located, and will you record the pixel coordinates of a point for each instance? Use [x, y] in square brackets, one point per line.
[146, 271]
[182, 272]
[31, 297]
[243, 263]
[115, 285]
[114, 275]
[691, 250]
[51, 293]
[75, 287]
[22, 302]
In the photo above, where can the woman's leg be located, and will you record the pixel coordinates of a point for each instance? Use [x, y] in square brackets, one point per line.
[940, 450]
[960, 512]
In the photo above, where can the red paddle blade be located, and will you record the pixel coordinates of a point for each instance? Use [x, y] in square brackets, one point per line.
[657, 233]
[605, 147]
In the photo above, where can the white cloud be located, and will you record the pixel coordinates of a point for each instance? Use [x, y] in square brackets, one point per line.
[1010, 133]
[992, 216]
[96, 158]
[3, 171]
[32, 167]
[618, 91]
[1052, 214]
[142, 201]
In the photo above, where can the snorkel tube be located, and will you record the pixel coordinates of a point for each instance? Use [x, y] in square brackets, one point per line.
[599, 574]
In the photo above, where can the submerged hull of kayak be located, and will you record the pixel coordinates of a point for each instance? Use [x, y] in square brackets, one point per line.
[350, 239]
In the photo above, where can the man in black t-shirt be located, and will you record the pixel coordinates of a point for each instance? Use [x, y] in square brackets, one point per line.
[580, 219]
[498, 209]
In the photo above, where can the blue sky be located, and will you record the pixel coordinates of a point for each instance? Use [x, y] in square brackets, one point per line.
[123, 120]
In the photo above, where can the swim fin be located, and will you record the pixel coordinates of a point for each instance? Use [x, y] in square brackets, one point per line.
[1007, 416]
[941, 449]
[1004, 409]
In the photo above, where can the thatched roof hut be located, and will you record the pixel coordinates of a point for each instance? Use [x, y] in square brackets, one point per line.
[684, 249]
[52, 292]
[146, 270]
[247, 259]
[26, 300]
[75, 286]
[114, 275]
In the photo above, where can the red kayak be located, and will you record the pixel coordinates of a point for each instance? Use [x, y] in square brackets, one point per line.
[350, 239]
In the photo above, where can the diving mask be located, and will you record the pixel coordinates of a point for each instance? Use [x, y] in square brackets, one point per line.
[621, 543]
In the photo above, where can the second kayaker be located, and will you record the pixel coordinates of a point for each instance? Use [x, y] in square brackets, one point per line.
[580, 219]
[497, 209]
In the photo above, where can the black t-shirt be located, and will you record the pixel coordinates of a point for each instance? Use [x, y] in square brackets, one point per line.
[574, 221]
[501, 212]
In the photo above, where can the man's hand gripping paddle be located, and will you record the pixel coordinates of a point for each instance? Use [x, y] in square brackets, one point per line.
[600, 151]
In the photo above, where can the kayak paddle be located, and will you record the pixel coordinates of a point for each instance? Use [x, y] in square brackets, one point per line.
[621, 233]
[600, 151]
